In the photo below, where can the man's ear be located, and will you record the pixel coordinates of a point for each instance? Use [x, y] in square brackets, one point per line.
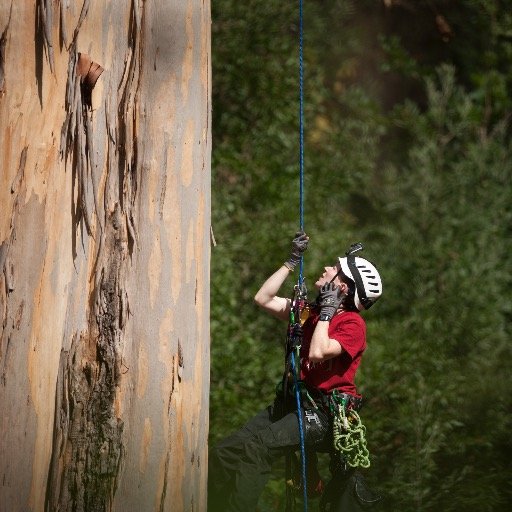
[343, 287]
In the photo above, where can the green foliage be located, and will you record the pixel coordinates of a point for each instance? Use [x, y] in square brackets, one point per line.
[410, 153]
[448, 212]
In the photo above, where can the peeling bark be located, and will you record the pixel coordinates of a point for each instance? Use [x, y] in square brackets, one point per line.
[3, 42]
[77, 137]
[6, 264]
[87, 430]
[104, 255]
[45, 12]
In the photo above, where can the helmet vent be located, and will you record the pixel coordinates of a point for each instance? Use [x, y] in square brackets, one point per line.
[373, 284]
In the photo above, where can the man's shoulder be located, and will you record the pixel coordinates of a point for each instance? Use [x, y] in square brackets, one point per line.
[349, 329]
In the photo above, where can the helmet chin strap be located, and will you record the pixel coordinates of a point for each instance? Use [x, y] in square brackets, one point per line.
[337, 274]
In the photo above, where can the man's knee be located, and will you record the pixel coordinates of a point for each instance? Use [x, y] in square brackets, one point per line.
[222, 458]
[229, 457]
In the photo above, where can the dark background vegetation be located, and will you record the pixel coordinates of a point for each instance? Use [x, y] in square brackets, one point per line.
[408, 110]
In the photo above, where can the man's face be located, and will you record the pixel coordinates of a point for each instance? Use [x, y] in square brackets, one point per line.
[329, 273]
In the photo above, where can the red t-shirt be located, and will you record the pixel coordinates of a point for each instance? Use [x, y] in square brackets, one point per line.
[349, 329]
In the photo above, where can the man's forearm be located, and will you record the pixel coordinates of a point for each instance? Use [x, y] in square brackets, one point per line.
[322, 347]
[272, 285]
[267, 298]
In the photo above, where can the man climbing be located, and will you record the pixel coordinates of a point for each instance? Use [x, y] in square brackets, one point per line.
[333, 339]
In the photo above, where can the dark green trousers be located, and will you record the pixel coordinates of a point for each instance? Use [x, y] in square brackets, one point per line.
[240, 465]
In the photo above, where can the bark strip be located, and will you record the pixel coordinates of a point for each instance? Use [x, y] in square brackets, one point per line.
[45, 10]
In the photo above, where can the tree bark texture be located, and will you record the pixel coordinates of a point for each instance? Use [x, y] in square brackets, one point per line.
[104, 254]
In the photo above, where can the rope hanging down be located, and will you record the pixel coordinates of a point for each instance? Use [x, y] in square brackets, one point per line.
[293, 353]
[301, 132]
[348, 431]
[300, 288]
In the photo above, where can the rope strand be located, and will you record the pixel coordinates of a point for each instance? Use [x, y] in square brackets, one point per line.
[301, 220]
[301, 433]
[301, 131]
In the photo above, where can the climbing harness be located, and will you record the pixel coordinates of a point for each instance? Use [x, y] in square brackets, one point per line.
[349, 434]
[292, 368]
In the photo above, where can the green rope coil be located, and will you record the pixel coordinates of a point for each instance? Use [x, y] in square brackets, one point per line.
[349, 435]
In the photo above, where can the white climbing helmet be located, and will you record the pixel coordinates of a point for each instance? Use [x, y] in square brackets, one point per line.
[368, 284]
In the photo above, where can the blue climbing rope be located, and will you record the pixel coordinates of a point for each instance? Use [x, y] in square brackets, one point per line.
[301, 131]
[301, 432]
[300, 283]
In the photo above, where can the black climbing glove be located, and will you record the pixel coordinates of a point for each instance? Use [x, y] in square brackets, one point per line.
[299, 245]
[329, 300]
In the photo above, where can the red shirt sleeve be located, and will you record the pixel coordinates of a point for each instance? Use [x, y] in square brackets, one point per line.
[349, 330]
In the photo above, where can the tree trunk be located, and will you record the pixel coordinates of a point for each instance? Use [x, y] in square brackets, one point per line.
[104, 254]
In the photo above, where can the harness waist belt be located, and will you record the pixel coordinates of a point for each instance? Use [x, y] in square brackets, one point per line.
[351, 401]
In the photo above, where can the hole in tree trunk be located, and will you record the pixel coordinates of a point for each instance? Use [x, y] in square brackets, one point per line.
[89, 73]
